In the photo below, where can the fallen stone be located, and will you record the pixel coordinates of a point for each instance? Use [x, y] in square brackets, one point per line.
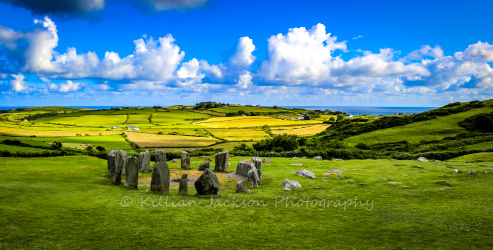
[208, 159]
[145, 162]
[132, 172]
[297, 164]
[394, 183]
[305, 173]
[470, 161]
[253, 179]
[326, 175]
[183, 189]
[336, 159]
[175, 160]
[160, 156]
[341, 176]
[185, 160]
[317, 157]
[241, 187]
[291, 184]
[286, 189]
[422, 159]
[111, 158]
[471, 172]
[267, 160]
[221, 163]
[160, 177]
[203, 166]
[304, 157]
[258, 164]
[335, 170]
[324, 179]
[207, 183]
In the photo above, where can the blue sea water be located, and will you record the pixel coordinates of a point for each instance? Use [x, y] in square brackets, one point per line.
[367, 110]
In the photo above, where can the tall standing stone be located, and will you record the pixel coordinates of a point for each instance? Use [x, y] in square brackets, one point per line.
[258, 164]
[183, 189]
[145, 161]
[111, 158]
[207, 183]
[243, 167]
[132, 172]
[160, 156]
[160, 177]
[253, 179]
[120, 158]
[221, 164]
[185, 160]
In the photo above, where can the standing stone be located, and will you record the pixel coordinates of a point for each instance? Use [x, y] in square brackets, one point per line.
[145, 161]
[132, 172]
[183, 189]
[160, 177]
[258, 164]
[111, 158]
[253, 179]
[243, 167]
[160, 156]
[119, 166]
[207, 183]
[185, 160]
[221, 164]
[241, 187]
[203, 166]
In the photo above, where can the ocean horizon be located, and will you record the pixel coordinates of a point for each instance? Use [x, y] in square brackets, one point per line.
[354, 110]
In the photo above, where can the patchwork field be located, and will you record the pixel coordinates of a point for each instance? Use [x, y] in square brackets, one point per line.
[177, 117]
[249, 121]
[73, 198]
[109, 142]
[154, 140]
[88, 120]
[239, 134]
[302, 130]
[51, 133]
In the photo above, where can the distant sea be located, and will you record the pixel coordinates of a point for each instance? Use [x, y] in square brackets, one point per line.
[347, 109]
[366, 110]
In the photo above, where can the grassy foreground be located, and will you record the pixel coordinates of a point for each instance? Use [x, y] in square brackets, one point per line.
[68, 202]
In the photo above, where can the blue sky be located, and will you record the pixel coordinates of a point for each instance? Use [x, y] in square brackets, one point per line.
[165, 52]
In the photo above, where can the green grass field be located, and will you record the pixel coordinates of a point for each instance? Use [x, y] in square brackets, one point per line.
[176, 118]
[109, 142]
[434, 129]
[68, 202]
[87, 120]
[249, 121]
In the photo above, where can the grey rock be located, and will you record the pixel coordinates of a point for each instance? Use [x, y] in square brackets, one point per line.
[221, 163]
[336, 159]
[305, 173]
[241, 187]
[291, 184]
[145, 161]
[456, 171]
[297, 164]
[267, 160]
[160, 156]
[120, 159]
[185, 160]
[341, 176]
[208, 159]
[326, 175]
[160, 177]
[253, 178]
[183, 189]
[304, 157]
[258, 164]
[324, 179]
[422, 159]
[207, 183]
[286, 189]
[111, 158]
[175, 160]
[317, 157]
[132, 172]
[243, 167]
[203, 166]
[335, 170]
[471, 172]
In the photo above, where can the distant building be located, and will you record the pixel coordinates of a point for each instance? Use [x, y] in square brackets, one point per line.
[258, 105]
[115, 127]
[349, 116]
[133, 128]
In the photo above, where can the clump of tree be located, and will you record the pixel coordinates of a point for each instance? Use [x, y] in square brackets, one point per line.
[481, 122]
[56, 145]
[208, 105]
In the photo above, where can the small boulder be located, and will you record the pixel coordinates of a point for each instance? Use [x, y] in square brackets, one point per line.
[456, 171]
[326, 175]
[422, 159]
[297, 164]
[304, 157]
[183, 189]
[324, 179]
[341, 176]
[336, 159]
[267, 160]
[175, 160]
[241, 187]
[203, 166]
[207, 183]
[291, 184]
[317, 157]
[305, 173]
[471, 172]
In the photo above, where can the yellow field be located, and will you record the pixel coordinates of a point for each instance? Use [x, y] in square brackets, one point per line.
[174, 131]
[302, 130]
[50, 133]
[138, 119]
[92, 120]
[239, 134]
[249, 121]
[154, 140]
